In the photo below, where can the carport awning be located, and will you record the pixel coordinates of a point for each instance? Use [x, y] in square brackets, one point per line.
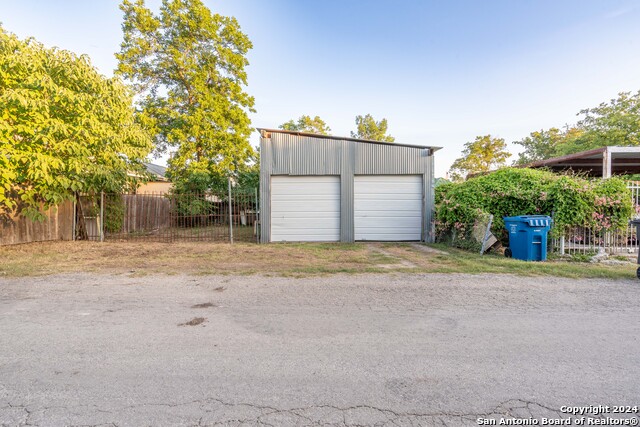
[601, 162]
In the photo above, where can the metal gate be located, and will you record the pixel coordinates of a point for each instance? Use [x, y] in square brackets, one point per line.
[222, 217]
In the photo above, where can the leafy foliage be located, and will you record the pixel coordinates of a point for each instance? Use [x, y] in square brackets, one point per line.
[114, 210]
[65, 128]
[440, 181]
[614, 123]
[245, 178]
[188, 67]
[193, 194]
[369, 128]
[200, 193]
[248, 178]
[481, 155]
[307, 124]
[544, 144]
[572, 200]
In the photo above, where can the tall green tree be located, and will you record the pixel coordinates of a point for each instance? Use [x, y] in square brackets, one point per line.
[188, 67]
[65, 128]
[307, 124]
[482, 155]
[545, 144]
[611, 123]
[368, 128]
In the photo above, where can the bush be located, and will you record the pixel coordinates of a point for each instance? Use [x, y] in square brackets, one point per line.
[194, 198]
[571, 201]
[113, 213]
[200, 197]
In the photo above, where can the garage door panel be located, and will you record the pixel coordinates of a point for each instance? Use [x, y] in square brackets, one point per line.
[390, 237]
[372, 223]
[308, 206]
[403, 193]
[305, 208]
[307, 238]
[374, 188]
[304, 223]
[388, 207]
[365, 206]
[292, 191]
[301, 215]
[406, 216]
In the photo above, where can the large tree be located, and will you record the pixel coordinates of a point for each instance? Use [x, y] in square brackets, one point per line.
[545, 144]
[482, 155]
[307, 124]
[368, 128]
[65, 128]
[188, 67]
[614, 123]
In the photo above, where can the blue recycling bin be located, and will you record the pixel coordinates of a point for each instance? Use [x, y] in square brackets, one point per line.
[527, 236]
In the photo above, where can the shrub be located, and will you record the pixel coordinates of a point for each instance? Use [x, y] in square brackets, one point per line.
[571, 200]
[113, 213]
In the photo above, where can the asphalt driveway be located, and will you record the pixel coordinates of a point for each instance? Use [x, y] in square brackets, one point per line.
[385, 349]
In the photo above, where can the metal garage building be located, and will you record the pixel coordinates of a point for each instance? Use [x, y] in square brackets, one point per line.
[319, 188]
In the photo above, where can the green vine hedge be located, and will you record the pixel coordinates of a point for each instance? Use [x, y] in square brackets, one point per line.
[572, 201]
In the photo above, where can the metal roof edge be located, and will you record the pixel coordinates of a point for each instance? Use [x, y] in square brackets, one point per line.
[553, 160]
[346, 138]
[157, 171]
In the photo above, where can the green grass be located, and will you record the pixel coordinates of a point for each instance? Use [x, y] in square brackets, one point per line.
[465, 262]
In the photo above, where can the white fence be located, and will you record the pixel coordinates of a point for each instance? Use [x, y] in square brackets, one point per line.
[583, 240]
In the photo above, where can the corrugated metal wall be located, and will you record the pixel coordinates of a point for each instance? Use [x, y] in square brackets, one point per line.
[289, 154]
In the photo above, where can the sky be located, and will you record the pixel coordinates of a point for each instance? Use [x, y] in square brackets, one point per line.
[441, 72]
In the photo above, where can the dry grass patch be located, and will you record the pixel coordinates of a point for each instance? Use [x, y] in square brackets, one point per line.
[292, 259]
[138, 259]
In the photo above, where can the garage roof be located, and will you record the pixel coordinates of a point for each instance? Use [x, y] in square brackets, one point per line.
[265, 134]
[604, 162]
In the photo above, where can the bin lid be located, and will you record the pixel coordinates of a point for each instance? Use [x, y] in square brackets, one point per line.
[531, 220]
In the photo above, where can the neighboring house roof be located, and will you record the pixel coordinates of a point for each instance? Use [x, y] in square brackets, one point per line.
[265, 134]
[603, 161]
[156, 171]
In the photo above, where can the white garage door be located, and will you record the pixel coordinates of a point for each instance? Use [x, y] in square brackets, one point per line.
[305, 208]
[388, 207]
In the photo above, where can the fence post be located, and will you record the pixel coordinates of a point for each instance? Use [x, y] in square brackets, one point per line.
[230, 212]
[102, 216]
[75, 214]
[256, 210]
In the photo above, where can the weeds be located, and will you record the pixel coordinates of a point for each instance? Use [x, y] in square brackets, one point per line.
[294, 260]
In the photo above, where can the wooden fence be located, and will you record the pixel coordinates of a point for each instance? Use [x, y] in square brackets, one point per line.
[126, 215]
[58, 225]
[222, 216]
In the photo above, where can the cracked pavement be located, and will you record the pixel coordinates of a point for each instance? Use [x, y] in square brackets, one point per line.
[340, 350]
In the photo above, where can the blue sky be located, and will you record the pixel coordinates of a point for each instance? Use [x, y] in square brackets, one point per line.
[441, 72]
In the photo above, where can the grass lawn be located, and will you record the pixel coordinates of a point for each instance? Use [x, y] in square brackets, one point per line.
[292, 259]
